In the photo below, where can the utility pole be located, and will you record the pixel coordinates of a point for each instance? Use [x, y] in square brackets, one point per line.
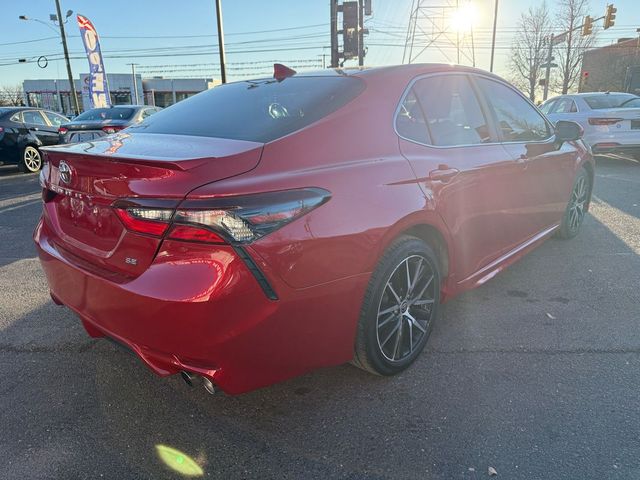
[360, 33]
[72, 87]
[547, 72]
[493, 36]
[334, 34]
[223, 68]
[135, 81]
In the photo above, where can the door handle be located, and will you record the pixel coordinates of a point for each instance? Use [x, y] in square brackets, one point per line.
[443, 174]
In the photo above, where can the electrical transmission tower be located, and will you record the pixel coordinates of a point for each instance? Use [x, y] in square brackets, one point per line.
[435, 25]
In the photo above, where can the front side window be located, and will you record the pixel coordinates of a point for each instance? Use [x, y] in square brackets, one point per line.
[547, 106]
[564, 105]
[33, 117]
[517, 119]
[452, 111]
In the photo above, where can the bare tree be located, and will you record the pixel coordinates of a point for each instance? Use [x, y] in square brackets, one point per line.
[528, 51]
[568, 55]
[11, 96]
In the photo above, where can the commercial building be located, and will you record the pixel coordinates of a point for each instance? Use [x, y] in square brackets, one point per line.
[54, 94]
[613, 68]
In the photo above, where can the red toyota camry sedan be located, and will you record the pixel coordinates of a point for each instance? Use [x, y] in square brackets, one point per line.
[266, 228]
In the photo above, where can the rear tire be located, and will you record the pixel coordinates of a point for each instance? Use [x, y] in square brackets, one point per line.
[577, 206]
[31, 161]
[400, 307]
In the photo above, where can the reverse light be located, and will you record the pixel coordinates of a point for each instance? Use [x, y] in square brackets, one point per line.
[62, 130]
[112, 129]
[604, 121]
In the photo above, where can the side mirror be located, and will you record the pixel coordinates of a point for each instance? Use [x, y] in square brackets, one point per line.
[568, 131]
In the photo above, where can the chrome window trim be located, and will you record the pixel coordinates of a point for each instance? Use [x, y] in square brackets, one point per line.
[408, 88]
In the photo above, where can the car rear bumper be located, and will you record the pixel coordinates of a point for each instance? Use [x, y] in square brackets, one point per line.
[207, 314]
[616, 142]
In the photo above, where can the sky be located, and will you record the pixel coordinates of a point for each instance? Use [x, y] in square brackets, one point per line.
[179, 38]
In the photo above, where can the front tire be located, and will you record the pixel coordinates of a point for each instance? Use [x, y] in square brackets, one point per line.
[400, 306]
[577, 206]
[31, 161]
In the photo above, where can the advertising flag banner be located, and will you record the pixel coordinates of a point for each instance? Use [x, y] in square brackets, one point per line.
[98, 88]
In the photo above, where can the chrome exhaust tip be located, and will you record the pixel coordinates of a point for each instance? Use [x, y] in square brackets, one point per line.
[187, 377]
[208, 385]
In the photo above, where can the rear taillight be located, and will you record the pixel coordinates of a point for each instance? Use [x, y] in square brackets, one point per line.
[112, 129]
[1, 129]
[604, 121]
[240, 219]
[148, 221]
[63, 130]
[246, 218]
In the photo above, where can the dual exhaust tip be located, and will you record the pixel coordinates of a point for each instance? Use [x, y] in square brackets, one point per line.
[191, 379]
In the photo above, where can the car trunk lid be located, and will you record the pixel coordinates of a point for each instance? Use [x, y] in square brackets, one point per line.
[616, 119]
[83, 181]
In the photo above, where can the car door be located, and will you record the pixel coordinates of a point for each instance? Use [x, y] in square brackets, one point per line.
[548, 168]
[447, 136]
[38, 126]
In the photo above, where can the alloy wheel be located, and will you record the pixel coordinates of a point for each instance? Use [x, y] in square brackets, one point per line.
[32, 159]
[406, 308]
[578, 203]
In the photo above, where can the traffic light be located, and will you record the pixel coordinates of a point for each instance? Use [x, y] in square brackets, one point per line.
[350, 28]
[587, 26]
[610, 16]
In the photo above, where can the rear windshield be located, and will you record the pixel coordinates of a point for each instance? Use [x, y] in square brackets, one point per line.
[106, 114]
[605, 100]
[258, 111]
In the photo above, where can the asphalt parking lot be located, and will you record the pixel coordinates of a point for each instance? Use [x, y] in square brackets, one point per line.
[536, 374]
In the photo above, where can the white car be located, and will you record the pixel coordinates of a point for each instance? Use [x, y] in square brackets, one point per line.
[611, 121]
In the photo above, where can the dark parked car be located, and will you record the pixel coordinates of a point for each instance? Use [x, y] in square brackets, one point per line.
[23, 130]
[265, 228]
[98, 122]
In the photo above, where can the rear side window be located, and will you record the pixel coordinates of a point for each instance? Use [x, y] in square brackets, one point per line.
[33, 117]
[453, 114]
[410, 121]
[517, 119]
[259, 111]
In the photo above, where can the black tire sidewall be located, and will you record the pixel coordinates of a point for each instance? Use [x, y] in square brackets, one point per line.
[406, 247]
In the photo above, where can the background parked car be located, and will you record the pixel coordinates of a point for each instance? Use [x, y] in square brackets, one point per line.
[98, 122]
[23, 130]
[611, 121]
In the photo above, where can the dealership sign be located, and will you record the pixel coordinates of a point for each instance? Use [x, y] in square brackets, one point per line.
[98, 88]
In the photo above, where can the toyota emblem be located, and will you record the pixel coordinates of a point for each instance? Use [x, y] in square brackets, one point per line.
[65, 172]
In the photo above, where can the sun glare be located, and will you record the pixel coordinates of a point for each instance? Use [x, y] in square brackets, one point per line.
[464, 17]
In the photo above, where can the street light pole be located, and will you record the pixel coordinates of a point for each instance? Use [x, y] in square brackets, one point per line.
[223, 68]
[493, 37]
[135, 81]
[547, 72]
[72, 87]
